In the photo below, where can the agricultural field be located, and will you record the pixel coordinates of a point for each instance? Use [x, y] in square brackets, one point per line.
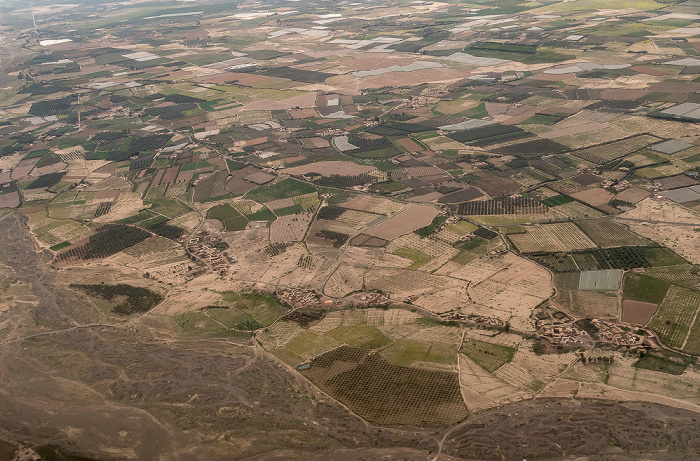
[339, 231]
[488, 356]
[388, 394]
[122, 299]
[231, 219]
[682, 274]
[604, 153]
[668, 224]
[608, 234]
[645, 289]
[676, 315]
[560, 237]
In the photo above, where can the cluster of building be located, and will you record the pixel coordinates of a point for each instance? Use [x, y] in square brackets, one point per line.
[618, 186]
[297, 297]
[476, 320]
[565, 335]
[487, 322]
[453, 317]
[203, 247]
[417, 102]
[613, 333]
[373, 299]
[331, 132]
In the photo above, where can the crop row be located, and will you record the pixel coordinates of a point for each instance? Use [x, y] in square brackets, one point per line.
[108, 240]
[503, 205]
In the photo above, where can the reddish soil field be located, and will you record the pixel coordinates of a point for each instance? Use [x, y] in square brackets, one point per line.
[106, 195]
[622, 94]
[593, 197]
[170, 175]
[496, 186]
[409, 144]
[185, 175]
[158, 176]
[637, 312]
[302, 113]
[649, 70]
[142, 187]
[587, 179]
[32, 209]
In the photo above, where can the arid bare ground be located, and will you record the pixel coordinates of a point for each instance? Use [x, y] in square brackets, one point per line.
[106, 392]
[576, 429]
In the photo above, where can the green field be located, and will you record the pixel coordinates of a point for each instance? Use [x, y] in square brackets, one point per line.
[405, 352]
[488, 356]
[659, 256]
[200, 325]
[60, 246]
[363, 337]
[195, 165]
[231, 219]
[283, 189]
[264, 309]
[540, 119]
[685, 275]
[646, 289]
[170, 208]
[418, 257]
[675, 316]
[304, 346]
[263, 214]
[664, 362]
[692, 345]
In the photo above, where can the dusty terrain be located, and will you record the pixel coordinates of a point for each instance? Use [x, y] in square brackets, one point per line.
[108, 392]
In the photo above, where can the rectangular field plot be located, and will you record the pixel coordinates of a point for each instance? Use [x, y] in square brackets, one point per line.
[637, 312]
[664, 362]
[559, 237]
[283, 189]
[591, 303]
[558, 263]
[576, 210]
[264, 310]
[406, 353]
[692, 344]
[608, 280]
[304, 346]
[388, 394]
[414, 217]
[597, 259]
[488, 356]
[290, 228]
[363, 337]
[373, 205]
[607, 233]
[426, 254]
[684, 275]
[675, 316]
[645, 289]
[604, 153]
[199, 325]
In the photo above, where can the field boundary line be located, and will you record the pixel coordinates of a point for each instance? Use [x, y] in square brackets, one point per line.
[690, 330]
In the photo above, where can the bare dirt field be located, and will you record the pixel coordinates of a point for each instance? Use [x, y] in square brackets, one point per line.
[341, 168]
[583, 428]
[414, 217]
[637, 312]
[666, 223]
